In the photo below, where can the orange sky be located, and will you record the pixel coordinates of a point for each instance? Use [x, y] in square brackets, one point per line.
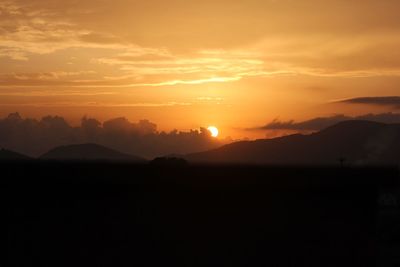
[185, 64]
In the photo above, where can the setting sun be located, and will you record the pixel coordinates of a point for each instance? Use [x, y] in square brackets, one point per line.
[213, 130]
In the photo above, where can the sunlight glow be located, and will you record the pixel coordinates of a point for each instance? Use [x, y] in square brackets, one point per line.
[213, 130]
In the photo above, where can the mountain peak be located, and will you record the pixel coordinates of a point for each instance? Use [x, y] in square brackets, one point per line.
[6, 154]
[358, 141]
[89, 151]
[355, 125]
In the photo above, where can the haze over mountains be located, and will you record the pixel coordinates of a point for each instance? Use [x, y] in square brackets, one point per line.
[34, 137]
[352, 142]
[349, 142]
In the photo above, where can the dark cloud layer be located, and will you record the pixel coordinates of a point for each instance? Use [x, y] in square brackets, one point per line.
[35, 137]
[392, 101]
[324, 122]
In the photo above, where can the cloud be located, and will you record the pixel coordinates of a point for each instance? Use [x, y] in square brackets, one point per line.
[390, 101]
[52, 79]
[195, 43]
[190, 82]
[35, 137]
[44, 28]
[94, 104]
[280, 47]
[195, 68]
[324, 122]
[365, 54]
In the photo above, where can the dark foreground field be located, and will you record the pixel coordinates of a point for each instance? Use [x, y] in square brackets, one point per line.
[97, 214]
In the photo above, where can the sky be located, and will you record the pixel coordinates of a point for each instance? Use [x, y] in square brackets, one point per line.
[239, 65]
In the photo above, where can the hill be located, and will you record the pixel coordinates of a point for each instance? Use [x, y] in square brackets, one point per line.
[11, 155]
[88, 152]
[355, 142]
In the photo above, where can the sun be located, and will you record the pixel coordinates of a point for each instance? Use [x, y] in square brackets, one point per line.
[213, 130]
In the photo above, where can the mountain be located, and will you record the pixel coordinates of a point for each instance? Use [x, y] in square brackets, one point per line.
[11, 155]
[88, 152]
[353, 142]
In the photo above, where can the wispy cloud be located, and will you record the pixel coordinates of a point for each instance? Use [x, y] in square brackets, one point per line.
[191, 82]
[223, 66]
[390, 101]
[19, 81]
[50, 93]
[319, 123]
[96, 104]
[367, 54]
[28, 30]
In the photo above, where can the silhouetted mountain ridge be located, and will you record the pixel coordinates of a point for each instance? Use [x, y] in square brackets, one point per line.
[357, 142]
[6, 154]
[88, 152]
